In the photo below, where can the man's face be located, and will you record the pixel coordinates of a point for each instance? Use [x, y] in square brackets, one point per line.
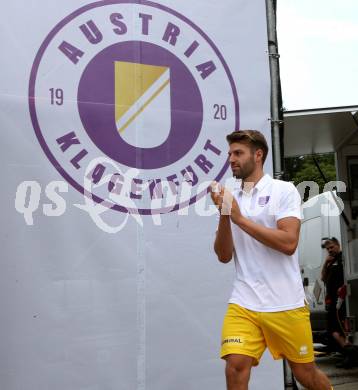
[242, 160]
[332, 248]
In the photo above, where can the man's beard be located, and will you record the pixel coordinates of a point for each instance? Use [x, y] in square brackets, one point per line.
[245, 170]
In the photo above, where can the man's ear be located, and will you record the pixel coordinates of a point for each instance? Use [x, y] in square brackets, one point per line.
[259, 154]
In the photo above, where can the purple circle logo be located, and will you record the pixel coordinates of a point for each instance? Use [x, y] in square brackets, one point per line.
[185, 110]
[131, 102]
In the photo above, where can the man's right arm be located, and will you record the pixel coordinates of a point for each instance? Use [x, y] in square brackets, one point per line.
[324, 271]
[224, 246]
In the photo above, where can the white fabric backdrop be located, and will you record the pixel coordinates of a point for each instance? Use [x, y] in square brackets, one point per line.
[139, 309]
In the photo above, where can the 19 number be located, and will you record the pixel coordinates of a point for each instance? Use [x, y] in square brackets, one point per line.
[56, 96]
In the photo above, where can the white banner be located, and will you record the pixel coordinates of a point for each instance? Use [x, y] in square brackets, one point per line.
[114, 116]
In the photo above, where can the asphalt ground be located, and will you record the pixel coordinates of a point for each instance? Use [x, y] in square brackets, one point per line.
[341, 379]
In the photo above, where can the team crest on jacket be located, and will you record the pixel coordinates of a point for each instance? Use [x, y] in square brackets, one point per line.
[136, 99]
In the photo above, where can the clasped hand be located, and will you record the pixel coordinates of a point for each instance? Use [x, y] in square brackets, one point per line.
[224, 200]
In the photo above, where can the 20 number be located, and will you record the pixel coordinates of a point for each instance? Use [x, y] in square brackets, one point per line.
[220, 112]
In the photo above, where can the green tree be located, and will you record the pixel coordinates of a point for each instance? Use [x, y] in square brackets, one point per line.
[303, 168]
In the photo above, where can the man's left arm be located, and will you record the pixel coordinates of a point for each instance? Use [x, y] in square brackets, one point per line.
[284, 238]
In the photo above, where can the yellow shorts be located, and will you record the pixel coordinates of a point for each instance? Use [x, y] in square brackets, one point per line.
[287, 334]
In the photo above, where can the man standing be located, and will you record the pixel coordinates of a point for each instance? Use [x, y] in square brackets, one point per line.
[332, 275]
[259, 226]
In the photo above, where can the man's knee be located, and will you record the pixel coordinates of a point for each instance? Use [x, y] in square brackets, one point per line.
[238, 367]
[310, 376]
[303, 370]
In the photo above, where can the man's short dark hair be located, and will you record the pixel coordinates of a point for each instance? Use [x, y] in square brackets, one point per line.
[253, 138]
[328, 240]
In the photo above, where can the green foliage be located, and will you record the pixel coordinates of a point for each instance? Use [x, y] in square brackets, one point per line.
[303, 168]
